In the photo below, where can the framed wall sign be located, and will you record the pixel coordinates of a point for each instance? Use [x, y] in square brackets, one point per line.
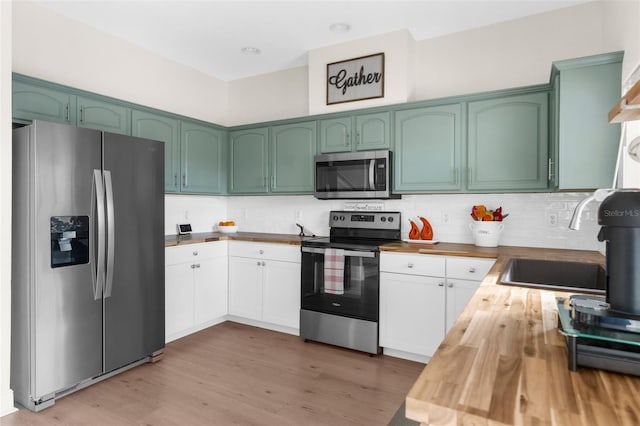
[355, 79]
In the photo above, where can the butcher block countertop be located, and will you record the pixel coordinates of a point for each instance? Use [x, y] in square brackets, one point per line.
[505, 363]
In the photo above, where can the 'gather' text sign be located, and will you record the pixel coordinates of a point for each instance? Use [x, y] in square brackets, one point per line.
[355, 79]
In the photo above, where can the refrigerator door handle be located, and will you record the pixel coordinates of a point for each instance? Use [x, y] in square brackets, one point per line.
[98, 278]
[110, 234]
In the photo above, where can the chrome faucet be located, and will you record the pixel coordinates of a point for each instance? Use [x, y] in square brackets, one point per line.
[599, 195]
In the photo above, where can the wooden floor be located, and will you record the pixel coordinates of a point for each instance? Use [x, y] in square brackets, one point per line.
[232, 374]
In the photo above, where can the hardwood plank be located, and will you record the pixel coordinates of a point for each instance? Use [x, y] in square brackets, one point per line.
[237, 374]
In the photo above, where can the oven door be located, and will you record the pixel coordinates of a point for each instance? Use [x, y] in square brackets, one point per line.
[360, 290]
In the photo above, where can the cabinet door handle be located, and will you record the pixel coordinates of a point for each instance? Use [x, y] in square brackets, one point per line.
[175, 180]
[347, 139]
[410, 265]
[67, 113]
[450, 285]
[81, 114]
[261, 251]
[258, 263]
[195, 253]
[472, 270]
[264, 263]
[358, 138]
[195, 265]
[440, 284]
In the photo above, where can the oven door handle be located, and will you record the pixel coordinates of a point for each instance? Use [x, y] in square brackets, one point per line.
[351, 253]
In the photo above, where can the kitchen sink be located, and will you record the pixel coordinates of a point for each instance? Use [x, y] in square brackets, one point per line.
[555, 275]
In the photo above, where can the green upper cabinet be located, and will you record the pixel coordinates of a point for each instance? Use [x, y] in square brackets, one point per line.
[335, 135]
[249, 161]
[33, 102]
[202, 159]
[508, 143]
[585, 144]
[428, 149]
[372, 131]
[166, 129]
[100, 115]
[293, 147]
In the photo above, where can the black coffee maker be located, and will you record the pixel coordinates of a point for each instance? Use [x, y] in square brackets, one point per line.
[619, 216]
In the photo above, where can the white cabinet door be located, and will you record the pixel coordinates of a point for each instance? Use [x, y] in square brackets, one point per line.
[245, 287]
[281, 293]
[179, 294]
[210, 281]
[412, 312]
[459, 292]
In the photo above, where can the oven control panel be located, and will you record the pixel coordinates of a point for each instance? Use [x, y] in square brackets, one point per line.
[368, 220]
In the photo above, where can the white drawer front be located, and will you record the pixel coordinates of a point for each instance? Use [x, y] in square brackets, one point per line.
[273, 251]
[192, 252]
[414, 264]
[468, 268]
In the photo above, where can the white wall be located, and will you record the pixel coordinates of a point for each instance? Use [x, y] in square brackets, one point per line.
[528, 224]
[203, 213]
[510, 54]
[55, 48]
[268, 97]
[6, 395]
[398, 48]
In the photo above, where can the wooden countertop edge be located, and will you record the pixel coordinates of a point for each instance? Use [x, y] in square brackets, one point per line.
[207, 237]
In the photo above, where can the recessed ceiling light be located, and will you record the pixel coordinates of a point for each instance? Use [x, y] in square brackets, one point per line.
[340, 27]
[250, 50]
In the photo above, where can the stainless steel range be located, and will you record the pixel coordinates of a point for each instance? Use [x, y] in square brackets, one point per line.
[340, 279]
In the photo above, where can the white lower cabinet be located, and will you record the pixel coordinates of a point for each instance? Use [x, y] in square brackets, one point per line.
[264, 284]
[412, 311]
[195, 287]
[421, 297]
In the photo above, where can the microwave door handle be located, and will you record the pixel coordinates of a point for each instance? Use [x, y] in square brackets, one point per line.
[372, 175]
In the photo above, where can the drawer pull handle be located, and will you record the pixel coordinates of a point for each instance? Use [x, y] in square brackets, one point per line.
[472, 270]
[261, 252]
[410, 265]
[195, 253]
[440, 284]
[450, 285]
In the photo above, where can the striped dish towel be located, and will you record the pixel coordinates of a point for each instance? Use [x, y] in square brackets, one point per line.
[334, 271]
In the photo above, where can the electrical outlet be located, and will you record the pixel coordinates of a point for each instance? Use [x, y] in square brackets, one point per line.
[445, 217]
[552, 219]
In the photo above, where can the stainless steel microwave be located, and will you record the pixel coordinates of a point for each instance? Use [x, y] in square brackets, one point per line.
[354, 175]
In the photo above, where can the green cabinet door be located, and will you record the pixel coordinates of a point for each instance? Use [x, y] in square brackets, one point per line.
[105, 116]
[427, 149]
[335, 135]
[508, 143]
[373, 131]
[31, 102]
[293, 147]
[249, 160]
[165, 129]
[202, 159]
[587, 144]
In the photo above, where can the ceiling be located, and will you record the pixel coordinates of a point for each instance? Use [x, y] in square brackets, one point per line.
[209, 35]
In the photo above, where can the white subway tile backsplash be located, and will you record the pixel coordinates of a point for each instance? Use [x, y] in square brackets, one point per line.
[528, 223]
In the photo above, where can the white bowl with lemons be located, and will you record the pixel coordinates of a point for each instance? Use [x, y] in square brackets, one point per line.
[227, 227]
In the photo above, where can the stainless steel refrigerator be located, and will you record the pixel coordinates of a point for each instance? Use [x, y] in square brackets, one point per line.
[87, 258]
